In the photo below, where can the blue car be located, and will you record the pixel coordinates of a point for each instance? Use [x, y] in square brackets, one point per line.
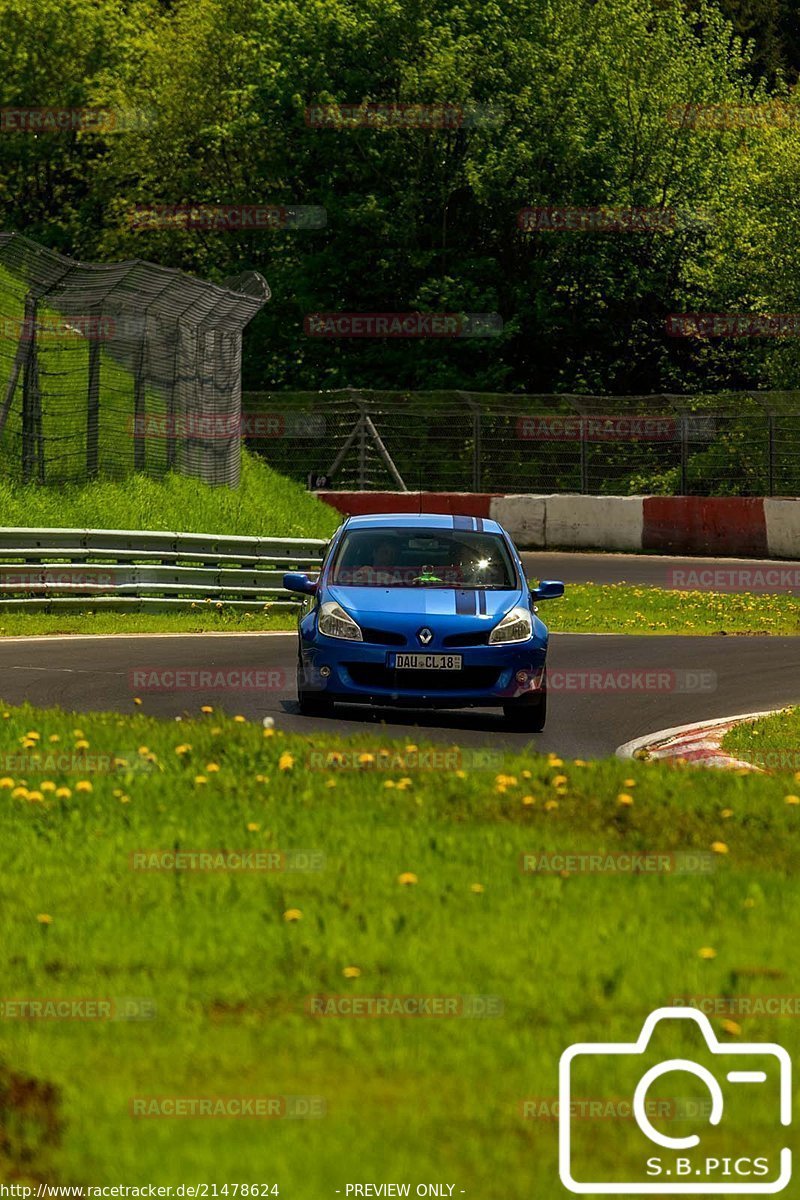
[423, 611]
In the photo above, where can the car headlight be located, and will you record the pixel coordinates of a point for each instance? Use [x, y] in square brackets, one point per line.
[516, 626]
[336, 623]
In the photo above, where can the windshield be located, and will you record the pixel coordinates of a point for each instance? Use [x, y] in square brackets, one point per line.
[423, 558]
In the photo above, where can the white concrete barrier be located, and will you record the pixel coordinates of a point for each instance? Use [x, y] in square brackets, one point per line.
[579, 522]
[783, 528]
[524, 517]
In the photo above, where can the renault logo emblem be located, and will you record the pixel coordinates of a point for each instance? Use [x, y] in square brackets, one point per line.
[425, 636]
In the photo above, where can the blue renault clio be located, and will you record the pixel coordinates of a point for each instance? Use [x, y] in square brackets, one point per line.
[422, 611]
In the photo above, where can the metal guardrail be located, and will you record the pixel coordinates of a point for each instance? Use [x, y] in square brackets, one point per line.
[63, 569]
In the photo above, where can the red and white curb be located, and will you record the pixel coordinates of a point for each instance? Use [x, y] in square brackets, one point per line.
[698, 745]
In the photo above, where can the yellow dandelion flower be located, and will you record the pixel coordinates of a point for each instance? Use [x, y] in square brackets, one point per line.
[84, 785]
[558, 780]
[184, 748]
[33, 797]
[6, 782]
[388, 783]
[78, 733]
[261, 778]
[252, 827]
[625, 799]
[206, 708]
[732, 1028]
[477, 888]
[629, 783]
[366, 760]
[526, 774]
[331, 783]
[292, 914]
[47, 786]
[212, 767]
[528, 800]
[20, 793]
[351, 972]
[792, 799]
[550, 805]
[137, 700]
[707, 952]
[54, 738]
[44, 918]
[407, 877]
[240, 719]
[82, 744]
[411, 748]
[555, 761]
[719, 847]
[461, 774]
[286, 761]
[33, 735]
[199, 779]
[726, 813]
[269, 733]
[63, 793]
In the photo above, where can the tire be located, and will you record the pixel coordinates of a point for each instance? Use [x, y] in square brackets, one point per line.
[312, 703]
[528, 716]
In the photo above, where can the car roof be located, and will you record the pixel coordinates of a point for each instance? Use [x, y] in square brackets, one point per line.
[423, 521]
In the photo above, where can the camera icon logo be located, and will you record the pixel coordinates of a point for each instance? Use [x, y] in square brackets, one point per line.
[640, 1149]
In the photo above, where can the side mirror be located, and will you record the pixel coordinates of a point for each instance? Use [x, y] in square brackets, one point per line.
[296, 581]
[548, 589]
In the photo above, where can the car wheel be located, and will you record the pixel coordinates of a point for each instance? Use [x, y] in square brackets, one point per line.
[527, 715]
[312, 703]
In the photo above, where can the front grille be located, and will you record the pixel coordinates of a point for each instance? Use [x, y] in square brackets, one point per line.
[382, 637]
[469, 679]
[479, 638]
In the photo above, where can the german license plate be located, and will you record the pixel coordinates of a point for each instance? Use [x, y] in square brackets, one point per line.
[426, 662]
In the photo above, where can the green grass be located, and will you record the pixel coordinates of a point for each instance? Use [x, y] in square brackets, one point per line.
[772, 743]
[265, 504]
[585, 956]
[586, 608]
[620, 608]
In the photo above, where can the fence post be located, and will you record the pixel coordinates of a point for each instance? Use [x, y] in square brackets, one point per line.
[771, 420]
[362, 446]
[584, 459]
[93, 410]
[477, 449]
[684, 454]
[29, 389]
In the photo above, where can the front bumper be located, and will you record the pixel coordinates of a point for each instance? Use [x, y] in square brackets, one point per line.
[357, 672]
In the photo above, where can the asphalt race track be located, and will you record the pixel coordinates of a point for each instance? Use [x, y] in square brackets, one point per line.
[691, 678]
[746, 674]
[657, 570]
